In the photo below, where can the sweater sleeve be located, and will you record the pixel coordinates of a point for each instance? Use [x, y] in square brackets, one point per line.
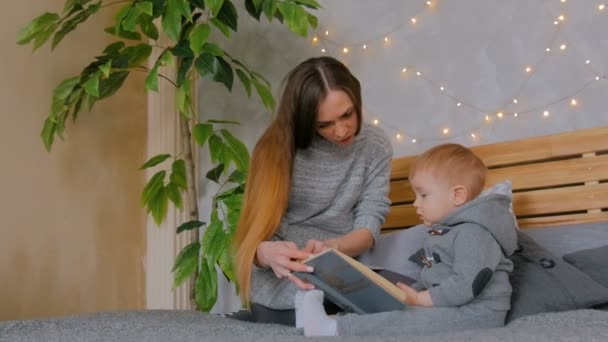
[476, 256]
[373, 204]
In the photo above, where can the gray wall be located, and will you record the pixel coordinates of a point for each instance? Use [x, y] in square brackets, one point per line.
[477, 50]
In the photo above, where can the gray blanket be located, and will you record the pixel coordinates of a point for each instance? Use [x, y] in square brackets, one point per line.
[164, 325]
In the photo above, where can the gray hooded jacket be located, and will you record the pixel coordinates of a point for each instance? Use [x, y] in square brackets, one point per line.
[467, 254]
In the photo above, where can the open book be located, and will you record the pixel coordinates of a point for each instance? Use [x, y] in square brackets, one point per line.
[352, 285]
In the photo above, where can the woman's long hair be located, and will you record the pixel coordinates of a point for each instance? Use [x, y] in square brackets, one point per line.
[269, 179]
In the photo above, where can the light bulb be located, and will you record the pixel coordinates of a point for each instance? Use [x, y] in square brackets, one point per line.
[573, 102]
[364, 46]
[413, 20]
[515, 114]
[376, 122]
[563, 47]
[413, 141]
[500, 114]
[597, 78]
[386, 39]
[473, 135]
[458, 104]
[323, 50]
[555, 22]
[315, 39]
[515, 101]
[446, 131]
[528, 69]
[487, 118]
[430, 3]
[327, 33]
[546, 113]
[441, 88]
[561, 17]
[345, 50]
[601, 7]
[418, 73]
[548, 49]
[587, 61]
[398, 136]
[403, 70]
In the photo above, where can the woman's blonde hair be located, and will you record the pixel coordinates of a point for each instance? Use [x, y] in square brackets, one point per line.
[269, 178]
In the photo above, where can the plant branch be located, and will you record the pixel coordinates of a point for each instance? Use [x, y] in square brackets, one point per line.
[146, 69]
[114, 3]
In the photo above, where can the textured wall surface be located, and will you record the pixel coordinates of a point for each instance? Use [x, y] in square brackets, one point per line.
[477, 50]
[72, 237]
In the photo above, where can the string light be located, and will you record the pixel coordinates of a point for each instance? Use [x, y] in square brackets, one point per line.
[346, 48]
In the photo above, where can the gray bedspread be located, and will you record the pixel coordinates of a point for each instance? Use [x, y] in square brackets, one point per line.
[164, 325]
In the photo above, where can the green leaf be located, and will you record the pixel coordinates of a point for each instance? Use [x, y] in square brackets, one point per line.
[264, 94]
[37, 25]
[201, 132]
[122, 33]
[220, 26]
[158, 205]
[215, 173]
[166, 59]
[174, 195]
[224, 73]
[157, 159]
[245, 81]
[257, 4]
[108, 86]
[214, 5]
[206, 64]
[145, 7]
[172, 20]
[48, 133]
[114, 48]
[122, 13]
[92, 85]
[182, 99]
[154, 185]
[228, 15]
[226, 263]
[309, 3]
[313, 21]
[148, 27]
[199, 37]
[105, 68]
[239, 151]
[213, 49]
[71, 24]
[137, 54]
[185, 264]
[184, 8]
[190, 225]
[43, 36]
[296, 17]
[152, 80]
[214, 239]
[253, 10]
[216, 149]
[237, 177]
[269, 8]
[205, 287]
[178, 174]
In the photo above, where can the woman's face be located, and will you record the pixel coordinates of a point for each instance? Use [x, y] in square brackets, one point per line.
[337, 118]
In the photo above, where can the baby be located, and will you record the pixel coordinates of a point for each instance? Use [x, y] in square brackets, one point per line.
[464, 281]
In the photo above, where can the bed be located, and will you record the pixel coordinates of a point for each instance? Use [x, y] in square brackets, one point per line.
[559, 189]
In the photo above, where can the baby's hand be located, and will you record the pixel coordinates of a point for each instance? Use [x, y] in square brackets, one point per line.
[413, 297]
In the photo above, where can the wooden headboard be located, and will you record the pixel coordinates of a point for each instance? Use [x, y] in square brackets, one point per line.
[557, 179]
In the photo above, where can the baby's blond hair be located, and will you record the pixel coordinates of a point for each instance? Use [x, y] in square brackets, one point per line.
[454, 163]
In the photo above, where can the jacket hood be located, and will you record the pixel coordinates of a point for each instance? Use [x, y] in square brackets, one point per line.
[492, 213]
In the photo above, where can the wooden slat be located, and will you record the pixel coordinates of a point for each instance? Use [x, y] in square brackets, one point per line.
[558, 200]
[401, 191]
[544, 147]
[400, 167]
[401, 216]
[579, 170]
[550, 221]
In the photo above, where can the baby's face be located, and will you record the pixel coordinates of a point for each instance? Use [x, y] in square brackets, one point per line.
[434, 197]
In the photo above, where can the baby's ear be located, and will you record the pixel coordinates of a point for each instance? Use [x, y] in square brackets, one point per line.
[459, 195]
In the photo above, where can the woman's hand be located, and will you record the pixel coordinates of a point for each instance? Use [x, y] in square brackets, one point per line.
[284, 257]
[318, 246]
[413, 297]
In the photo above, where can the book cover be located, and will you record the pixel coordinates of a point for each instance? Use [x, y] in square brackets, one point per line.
[352, 285]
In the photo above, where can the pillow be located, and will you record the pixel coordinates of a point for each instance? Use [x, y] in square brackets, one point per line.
[544, 283]
[502, 188]
[593, 261]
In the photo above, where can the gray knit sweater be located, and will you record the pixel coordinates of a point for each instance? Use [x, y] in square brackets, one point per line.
[334, 190]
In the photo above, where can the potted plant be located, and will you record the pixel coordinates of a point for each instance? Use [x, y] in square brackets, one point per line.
[188, 25]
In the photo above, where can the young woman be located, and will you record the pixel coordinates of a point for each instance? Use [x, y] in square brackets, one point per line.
[319, 178]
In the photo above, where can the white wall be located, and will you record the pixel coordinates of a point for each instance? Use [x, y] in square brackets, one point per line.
[477, 50]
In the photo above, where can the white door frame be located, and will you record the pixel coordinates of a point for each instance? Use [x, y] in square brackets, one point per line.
[163, 244]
